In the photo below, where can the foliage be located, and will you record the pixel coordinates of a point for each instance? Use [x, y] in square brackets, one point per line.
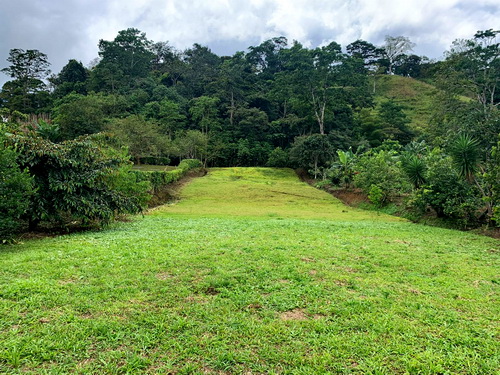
[78, 114]
[83, 180]
[447, 193]
[16, 188]
[159, 179]
[311, 152]
[394, 122]
[26, 92]
[343, 168]
[378, 173]
[415, 169]
[141, 137]
[465, 154]
[278, 158]
[492, 177]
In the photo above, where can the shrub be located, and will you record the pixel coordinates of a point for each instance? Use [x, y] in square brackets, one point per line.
[158, 179]
[447, 193]
[16, 188]
[278, 158]
[83, 180]
[492, 177]
[380, 169]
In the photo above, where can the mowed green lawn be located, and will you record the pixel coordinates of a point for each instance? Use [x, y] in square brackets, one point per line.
[252, 272]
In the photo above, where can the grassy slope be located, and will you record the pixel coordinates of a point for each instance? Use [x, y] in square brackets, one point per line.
[415, 95]
[234, 279]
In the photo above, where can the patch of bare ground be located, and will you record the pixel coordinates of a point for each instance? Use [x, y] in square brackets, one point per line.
[298, 315]
[351, 197]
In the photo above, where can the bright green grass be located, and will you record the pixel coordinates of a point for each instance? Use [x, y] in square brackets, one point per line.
[264, 193]
[253, 290]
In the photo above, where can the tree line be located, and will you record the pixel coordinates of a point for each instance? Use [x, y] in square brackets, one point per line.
[277, 104]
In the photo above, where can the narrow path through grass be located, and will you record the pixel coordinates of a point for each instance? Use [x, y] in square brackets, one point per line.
[252, 272]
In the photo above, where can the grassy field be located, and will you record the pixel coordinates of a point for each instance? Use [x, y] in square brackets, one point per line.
[252, 272]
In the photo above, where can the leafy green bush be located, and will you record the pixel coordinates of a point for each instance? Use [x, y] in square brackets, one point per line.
[16, 188]
[380, 169]
[278, 158]
[83, 180]
[447, 192]
[158, 179]
[492, 177]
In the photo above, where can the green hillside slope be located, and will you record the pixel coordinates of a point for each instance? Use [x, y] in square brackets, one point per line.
[252, 272]
[416, 96]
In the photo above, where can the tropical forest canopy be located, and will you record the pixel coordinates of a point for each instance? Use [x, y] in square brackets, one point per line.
[277, 104]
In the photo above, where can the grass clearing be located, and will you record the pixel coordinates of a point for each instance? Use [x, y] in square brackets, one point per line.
[252, 272]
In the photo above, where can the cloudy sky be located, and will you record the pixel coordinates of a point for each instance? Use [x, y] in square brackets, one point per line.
[67, 29]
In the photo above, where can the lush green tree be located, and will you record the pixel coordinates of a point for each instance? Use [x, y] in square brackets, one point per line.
[201, 69]
[367, 52]
[265, 58]
[394, 122]
[492, 178]
[278, 158]
[143, 138]
[204, 112]
[471, 69]
[312, 152]
[27, 92]
[379, 174]
[125, 61]
[78, 115]
[72, 78]
[192, 144]
[168, 114]
[447, 193]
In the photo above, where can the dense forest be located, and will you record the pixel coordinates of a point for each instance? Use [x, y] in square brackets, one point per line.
[278, 104]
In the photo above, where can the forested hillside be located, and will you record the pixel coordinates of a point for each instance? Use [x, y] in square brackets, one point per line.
[336, 111]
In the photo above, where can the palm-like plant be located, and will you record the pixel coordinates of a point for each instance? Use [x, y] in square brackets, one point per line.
[346, 163]
[466, 155]
[415, 169]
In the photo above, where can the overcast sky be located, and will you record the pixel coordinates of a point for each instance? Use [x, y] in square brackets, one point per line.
[71, 29]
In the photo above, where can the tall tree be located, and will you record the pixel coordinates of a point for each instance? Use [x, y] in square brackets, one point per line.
[72, 78]
[395, 47]
[26, 92]
[124, 61]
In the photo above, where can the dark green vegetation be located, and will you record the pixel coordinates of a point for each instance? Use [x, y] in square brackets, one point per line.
[280, 104]
[252, 272]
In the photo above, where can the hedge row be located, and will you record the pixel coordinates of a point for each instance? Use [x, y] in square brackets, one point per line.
[158, 179]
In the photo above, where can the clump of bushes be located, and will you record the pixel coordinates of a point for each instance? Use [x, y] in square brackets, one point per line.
[81, 182]
[16, 189]
[158, 179]
[455, 184]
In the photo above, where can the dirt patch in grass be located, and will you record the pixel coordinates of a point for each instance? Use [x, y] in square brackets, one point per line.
[295, 314]
[298, 315]
[351, 197]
